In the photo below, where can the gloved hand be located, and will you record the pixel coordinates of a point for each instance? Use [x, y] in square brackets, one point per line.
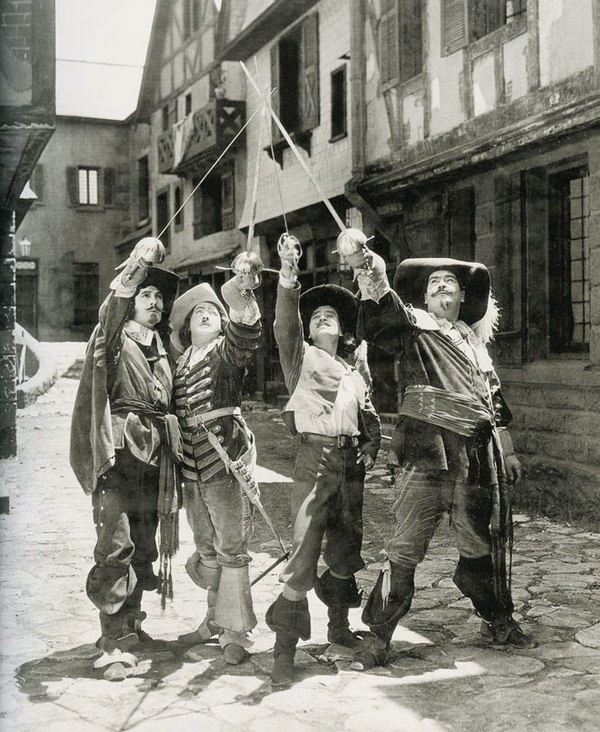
[290, 251]
[237, 291]
[368, 267]
[147, 251]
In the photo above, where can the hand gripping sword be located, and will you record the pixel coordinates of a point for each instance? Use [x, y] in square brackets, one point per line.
[250, 487]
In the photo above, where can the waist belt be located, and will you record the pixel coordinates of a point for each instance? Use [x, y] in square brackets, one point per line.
[448, 409]
[339, 441]
[199, 420]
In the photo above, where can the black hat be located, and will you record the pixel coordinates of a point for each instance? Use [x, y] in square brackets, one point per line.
[339, 298]
[165, 281]
[410, 282]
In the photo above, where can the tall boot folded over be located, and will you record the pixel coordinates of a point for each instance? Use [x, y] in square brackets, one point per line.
[339, 594]
[290, 621]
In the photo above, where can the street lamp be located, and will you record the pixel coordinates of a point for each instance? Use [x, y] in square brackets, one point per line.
[25, 247]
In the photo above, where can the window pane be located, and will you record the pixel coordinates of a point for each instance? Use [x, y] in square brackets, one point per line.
[93, 187]
[83, 186]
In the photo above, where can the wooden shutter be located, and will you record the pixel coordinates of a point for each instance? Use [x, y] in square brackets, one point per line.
[121, 195]
[197, 208]
[37, 182]
[228, 197]
[454, 25]
[410, 42]
[109, 180]
[388, 42]
[309, 73]
[72, 186]
[276, 96]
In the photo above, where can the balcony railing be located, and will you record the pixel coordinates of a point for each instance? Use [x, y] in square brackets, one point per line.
[208, 132]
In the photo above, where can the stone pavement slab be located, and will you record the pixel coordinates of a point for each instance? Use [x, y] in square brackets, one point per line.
[441, 676]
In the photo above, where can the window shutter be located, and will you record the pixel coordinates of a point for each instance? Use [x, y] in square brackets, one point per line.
[37, 182]
[121, 195]
[72, 186]
[309, 73]
[109, 186]
[197, 207]
[454, 25]
[228, 198]
[410, 42]
[275, 97]
[388, 44]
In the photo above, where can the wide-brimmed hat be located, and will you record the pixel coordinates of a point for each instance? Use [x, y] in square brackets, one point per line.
[339, 298]
[410, 282]
[185, 304]
[167, 282]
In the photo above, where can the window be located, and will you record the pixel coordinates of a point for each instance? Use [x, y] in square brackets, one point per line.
[85, 293]
[143, 189]
[87, 186]
[169, 114]
[338, 104]
[162, 218]
[188, 104]
[400, 42]
[295, 73]
[569, 262]
[214, 202]
[465, 21]
[178, 221]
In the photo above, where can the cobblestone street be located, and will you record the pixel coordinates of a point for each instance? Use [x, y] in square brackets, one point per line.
[442, 676]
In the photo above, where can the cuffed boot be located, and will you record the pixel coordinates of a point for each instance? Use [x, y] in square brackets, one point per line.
[475, 579]
[389, 600]
[208, 579]
[234, 613]
[339, 594]
[290, 621]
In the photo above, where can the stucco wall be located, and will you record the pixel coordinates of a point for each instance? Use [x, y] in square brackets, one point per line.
[62, 234]
[566, 31]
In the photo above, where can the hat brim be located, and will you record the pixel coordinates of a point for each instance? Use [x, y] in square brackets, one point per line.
[339, 298]
[165, 281]
[410, 282]
[185, 304]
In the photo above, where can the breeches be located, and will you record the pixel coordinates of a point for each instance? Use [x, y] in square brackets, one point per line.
[125, 515]
[220, 516]
[423, 497]
[327, 499]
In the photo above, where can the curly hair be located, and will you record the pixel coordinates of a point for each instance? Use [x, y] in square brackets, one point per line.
[163, 327]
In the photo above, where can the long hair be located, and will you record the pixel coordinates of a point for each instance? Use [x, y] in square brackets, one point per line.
[185, 332]
[163, 327]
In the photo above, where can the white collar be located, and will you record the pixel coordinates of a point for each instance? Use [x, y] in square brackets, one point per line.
[143, 335]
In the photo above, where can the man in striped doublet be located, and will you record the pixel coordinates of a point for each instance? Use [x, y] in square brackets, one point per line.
[214, 349]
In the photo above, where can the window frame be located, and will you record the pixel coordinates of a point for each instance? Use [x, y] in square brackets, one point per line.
[343, 131]
[163, 193]
[87, 169]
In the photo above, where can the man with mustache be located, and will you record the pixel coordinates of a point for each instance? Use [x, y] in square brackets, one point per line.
[123, 448]
[338, 439]
[450, 450]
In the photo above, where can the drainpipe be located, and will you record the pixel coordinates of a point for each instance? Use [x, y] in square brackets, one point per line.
[358, 109]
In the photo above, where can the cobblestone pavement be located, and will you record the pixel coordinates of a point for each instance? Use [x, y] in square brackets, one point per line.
[441, 677]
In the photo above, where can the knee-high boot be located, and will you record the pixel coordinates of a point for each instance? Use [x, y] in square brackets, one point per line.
[290, 621]
[475, 579]
[339, 594]
[207, 578]
[389, 600]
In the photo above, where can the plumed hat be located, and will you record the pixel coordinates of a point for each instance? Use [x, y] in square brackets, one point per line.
[410, 282]
[339, 298]
[184, 306]
[167, 282]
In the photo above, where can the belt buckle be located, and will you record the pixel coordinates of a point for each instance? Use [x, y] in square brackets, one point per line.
[341, 441]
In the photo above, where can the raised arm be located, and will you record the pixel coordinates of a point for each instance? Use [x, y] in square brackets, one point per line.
[288, 324]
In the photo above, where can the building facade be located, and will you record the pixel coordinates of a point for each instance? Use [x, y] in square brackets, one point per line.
[479, 138]
[66, 246]
[27, 91]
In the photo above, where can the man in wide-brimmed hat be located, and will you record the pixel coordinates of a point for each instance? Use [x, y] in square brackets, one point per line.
[213, 349]
[338, 433]
[450, 449]
[123, 448]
